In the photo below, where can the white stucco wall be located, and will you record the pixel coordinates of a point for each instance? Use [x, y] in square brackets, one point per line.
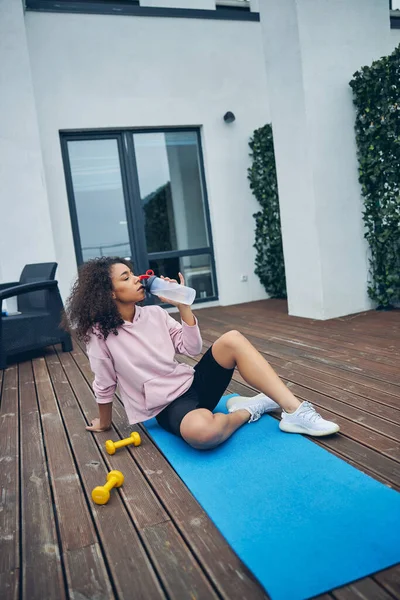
[25, 227]
[312, 50]
[395, 37]
[350, 40]
[94, 71]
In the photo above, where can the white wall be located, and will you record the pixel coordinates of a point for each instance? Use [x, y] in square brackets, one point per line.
[395, 37]
[349, 40]
[94, 71]
[312, 50]
[25, 227]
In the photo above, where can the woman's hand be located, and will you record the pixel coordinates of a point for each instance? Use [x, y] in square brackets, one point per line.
[97, 427]
[184, 309]
[181, 281]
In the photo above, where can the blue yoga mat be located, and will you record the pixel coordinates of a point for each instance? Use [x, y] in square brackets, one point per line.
[302, 520]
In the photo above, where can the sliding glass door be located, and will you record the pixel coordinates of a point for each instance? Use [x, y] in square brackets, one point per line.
[141, 195]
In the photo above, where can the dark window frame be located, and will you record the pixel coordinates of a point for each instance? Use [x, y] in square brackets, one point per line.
[131, 191]
[394, 16]
[395, 19]
[127, 8]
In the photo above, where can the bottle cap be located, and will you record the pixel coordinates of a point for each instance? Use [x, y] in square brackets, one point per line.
[147, 279]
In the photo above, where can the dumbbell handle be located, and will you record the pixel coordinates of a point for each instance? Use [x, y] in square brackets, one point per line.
[112, 482]
[124, 442]
[134, 439]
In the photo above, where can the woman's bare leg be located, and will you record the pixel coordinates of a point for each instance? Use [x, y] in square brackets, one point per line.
[233, 349]
[204, 430]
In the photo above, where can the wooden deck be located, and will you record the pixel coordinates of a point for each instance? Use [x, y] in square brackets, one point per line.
[153, 540]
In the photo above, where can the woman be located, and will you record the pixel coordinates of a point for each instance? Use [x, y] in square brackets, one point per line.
[135, 347]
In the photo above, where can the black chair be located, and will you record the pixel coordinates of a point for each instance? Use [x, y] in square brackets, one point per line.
[41, 307]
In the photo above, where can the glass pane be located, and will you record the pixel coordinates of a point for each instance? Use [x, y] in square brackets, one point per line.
[171, 192]
[195, 269]
[99, 198]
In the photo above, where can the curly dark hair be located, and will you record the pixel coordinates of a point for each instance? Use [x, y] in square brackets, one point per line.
[90, 302]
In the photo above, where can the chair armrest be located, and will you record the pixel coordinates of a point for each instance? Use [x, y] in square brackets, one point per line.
[4, 286]
[27, 287]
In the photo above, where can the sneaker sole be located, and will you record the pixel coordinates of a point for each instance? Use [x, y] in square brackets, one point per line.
[288, 428]
[242, 404]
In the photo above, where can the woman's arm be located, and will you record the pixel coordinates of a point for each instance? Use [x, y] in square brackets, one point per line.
[104, 384]
[103, 423]
[186, 314]
[186, 337]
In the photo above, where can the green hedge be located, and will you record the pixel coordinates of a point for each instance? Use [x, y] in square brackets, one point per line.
[270, 266]
[376, 92]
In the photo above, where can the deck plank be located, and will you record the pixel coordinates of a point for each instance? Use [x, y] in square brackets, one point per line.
[390, 579]
[10, 492]
[76, 529]
[42, 572]
[362, 590]
[77, 532]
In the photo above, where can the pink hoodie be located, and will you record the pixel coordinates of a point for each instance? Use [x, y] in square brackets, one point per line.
[141, 360]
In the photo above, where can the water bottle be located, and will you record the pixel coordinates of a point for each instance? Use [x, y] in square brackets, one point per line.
[174, 292]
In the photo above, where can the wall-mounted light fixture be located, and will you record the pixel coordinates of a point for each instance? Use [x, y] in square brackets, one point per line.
[229, 117]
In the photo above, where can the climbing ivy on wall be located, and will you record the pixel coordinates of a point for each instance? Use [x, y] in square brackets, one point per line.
[376, 93]
[270, 266]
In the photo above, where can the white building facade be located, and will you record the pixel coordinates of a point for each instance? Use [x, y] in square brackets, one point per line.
[113, 139]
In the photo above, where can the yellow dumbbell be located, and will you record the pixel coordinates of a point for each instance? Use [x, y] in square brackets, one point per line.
[134, 439]
[101, 493]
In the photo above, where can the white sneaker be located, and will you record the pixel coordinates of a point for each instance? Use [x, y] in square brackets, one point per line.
[256, 406]
[306, 420]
